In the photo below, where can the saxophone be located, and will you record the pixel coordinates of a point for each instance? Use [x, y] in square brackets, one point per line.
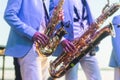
[54, 35]
[84, 44]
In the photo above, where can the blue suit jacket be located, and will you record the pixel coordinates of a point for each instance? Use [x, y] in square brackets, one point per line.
[24, 18]
[115, 57]
[68, 13]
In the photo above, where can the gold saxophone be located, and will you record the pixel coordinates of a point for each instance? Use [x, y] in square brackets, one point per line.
[83, 44]
[54, 35]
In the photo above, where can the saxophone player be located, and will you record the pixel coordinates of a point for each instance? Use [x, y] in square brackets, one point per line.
[115, 56]
[24, 18]
[78, 13]
[27, 21]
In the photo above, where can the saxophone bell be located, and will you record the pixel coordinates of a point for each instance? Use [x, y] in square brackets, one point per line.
[64, 62]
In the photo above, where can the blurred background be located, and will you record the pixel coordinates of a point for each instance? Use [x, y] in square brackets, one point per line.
[103, 55]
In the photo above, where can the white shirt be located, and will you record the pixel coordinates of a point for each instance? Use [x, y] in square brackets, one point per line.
[43, 23]
[78, 30]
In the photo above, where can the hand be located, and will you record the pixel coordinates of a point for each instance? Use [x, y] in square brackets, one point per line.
[40, 38]
[68, 47]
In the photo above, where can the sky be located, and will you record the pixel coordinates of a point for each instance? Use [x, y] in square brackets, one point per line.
[4, 28]
[96, 8]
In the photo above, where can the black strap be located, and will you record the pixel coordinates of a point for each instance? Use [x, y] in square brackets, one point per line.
[46, 13]
[83, 10]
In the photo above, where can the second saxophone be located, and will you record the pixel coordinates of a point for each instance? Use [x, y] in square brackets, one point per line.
[84, 44]
[54, 35]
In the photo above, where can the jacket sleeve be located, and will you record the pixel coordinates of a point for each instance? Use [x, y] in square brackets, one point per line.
[12, 18]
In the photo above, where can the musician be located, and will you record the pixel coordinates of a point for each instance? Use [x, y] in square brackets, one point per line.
[115, 56]
[78, 13]
[26, 19]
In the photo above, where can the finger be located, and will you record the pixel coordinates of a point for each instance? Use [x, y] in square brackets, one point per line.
[70, 48]
[68, 52]
[47, 40]
[43, 39]
[43, 42]
[38, 41]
